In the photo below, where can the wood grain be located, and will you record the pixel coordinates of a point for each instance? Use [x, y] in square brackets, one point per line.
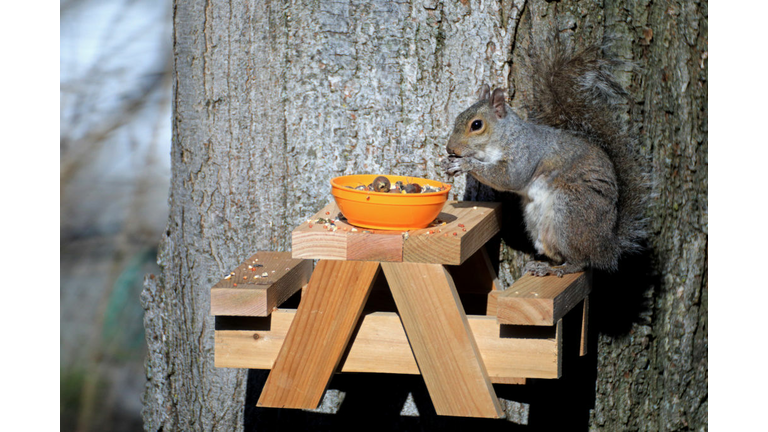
[246, 292]
[481, 220]
[468, 225]
[327, 315]
[533, 300]
[442, 341]
[381, 346]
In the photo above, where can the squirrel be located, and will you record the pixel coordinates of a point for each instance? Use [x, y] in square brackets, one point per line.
[572, 161]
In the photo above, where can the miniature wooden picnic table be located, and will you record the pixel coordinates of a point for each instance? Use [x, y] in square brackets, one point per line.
[444, 342]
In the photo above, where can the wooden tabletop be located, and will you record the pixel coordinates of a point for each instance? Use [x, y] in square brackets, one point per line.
[458, 232]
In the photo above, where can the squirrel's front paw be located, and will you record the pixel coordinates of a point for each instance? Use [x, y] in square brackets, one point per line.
[453, 165]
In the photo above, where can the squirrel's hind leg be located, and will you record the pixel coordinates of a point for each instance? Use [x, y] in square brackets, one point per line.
[540, 268]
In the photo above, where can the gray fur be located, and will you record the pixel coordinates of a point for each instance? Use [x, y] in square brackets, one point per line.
[584, 189]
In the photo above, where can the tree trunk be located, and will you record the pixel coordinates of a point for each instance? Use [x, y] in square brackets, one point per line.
[272, 100]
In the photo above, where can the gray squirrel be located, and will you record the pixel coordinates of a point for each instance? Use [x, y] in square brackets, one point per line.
[573, 161]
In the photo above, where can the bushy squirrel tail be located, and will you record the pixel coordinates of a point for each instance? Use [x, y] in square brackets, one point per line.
[577, 91]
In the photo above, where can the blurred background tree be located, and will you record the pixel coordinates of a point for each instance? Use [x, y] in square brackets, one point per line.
[115, 111]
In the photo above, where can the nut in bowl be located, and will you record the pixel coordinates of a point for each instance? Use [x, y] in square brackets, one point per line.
[389, 202]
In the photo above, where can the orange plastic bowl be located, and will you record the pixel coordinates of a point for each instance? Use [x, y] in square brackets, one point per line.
[388, 211]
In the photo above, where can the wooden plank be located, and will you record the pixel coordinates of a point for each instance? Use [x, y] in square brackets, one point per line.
[559, 339]
[365, 245]
[315, 240]
[492, 304]
[327, 315]
[524, 356]
[442, 341]
[381, 346]
[435, 244]
[516, 381]
[533, 300]
[584, 327]
[246, 292]
[481, 220]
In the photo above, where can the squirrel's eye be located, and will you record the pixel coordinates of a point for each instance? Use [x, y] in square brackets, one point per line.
[476, 125]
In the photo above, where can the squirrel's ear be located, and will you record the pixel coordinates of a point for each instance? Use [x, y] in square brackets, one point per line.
[499, 103]
[484, 92]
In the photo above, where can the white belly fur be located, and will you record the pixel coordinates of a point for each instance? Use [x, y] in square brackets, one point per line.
[539, 212]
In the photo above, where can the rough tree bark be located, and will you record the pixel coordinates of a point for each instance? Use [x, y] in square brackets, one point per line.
[273, 99]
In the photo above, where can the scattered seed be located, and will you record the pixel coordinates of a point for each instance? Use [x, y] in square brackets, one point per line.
[455, 233]
[464, 229]
[327, 213]
[234, 284]
[245, 277]
[461, 225]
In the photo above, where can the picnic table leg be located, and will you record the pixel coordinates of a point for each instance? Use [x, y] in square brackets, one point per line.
[442, 342]
[584, 327]
[324, 322]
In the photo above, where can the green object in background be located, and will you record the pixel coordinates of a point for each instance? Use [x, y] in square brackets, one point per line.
[123, 329]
